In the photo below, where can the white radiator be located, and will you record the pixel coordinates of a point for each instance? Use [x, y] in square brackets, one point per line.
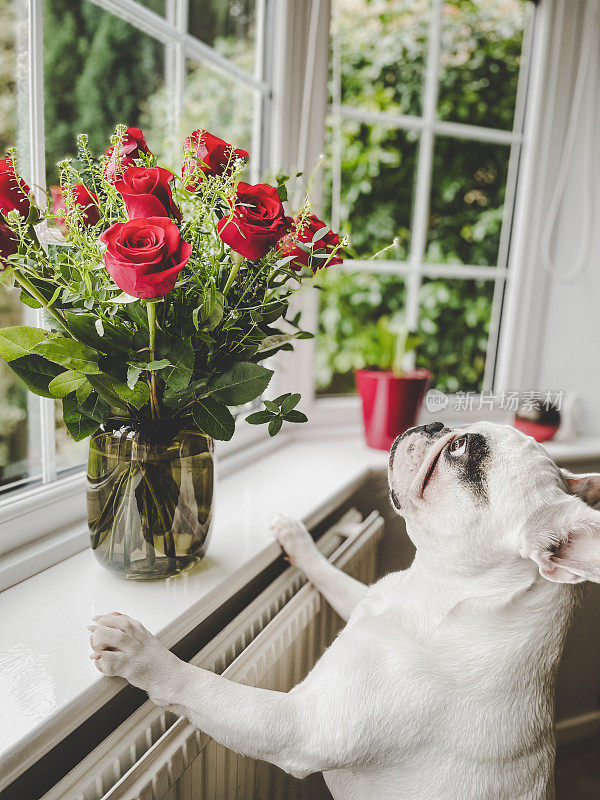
[273, 643]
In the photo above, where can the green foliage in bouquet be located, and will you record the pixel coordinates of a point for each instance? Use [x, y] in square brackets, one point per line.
[169, 292]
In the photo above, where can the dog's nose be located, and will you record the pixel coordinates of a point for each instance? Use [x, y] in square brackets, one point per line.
[433, 427]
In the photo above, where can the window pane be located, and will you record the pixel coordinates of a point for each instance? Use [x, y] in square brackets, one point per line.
[348, 336]
[68, 452]
[228, 27]
[20, 438]
[480, 59]
[382, 45]
[467, 201]
[98, 71]
[454, 325]
[154, 5]
[20, 459]
[378, 167]
[8, 92]
[218, 103]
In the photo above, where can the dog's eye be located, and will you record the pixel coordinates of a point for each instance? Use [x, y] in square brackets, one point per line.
[458, 446]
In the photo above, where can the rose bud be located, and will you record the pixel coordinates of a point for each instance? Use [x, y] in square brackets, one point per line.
[147, 193]
[133, 145]
[257, 221]
[207, 155]
[14, 192]
[8, 243]
[304, 231]
[82, 198]
[145, 256]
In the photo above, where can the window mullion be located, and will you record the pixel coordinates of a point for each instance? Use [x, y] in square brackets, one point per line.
[177, 16]
[336, 133]
[203, 53]
[35, 68]
[431, 270]
[424, 168]
[37, 178]
[141, 18]
[257, 164]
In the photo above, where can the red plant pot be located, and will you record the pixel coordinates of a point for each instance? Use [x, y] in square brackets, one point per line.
[390, 404]
[539, 431]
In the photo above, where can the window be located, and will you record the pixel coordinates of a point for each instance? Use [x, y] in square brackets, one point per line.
[424, 138]
[167, 66]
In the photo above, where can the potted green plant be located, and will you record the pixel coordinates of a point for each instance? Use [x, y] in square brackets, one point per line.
[391, 395]
[169, 294]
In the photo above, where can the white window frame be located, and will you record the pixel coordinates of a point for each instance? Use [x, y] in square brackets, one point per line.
[429, 126]
[43, 523]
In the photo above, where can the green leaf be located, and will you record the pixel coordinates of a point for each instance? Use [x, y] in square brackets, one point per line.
[272, 406]
[36, 373]
[179, 373]
[28, 300]
[289, 403]
[196, 389]
[156, 365]
[95, 408]
[105, 386]
[20, 341]
[320, 234]
[259, 417]
[275, 426]
[137, 313]
[276, 340]
[214, 314]
[273, 311]
[85, 328]
[214, 418]
[136, 397]
[295, 416]
[242, 383]
[66, 382]
[83, 392]
[124, 299]
[133, 373]
[78, 425]
[70, 354]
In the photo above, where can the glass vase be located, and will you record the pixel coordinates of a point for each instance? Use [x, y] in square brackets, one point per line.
[150, 495]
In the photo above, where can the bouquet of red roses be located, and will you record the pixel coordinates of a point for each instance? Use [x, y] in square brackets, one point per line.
[169, 292]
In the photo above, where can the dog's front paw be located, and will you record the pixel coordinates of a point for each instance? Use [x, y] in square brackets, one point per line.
[293, 537]
[123, 647]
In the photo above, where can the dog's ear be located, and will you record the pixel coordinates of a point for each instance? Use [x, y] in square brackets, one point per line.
[567, 541]
[587, 486]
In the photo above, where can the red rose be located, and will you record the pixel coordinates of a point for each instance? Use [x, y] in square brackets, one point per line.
[8, 243]
[209, 155]
[14, 192]
[82, 198]
[147, 192]
[145, 256]
[327, 244]
[133, 145]
[258, 221]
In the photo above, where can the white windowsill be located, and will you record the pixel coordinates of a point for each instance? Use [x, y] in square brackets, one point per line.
[48, 685]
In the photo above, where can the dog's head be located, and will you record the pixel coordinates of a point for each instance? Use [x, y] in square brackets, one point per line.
[482, 493]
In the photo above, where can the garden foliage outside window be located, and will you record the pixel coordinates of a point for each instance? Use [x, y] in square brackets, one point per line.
[409, 80]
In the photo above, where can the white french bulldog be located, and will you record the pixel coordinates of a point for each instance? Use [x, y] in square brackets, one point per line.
[441, 685]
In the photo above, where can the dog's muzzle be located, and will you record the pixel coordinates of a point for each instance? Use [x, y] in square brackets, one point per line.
[406, 456]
